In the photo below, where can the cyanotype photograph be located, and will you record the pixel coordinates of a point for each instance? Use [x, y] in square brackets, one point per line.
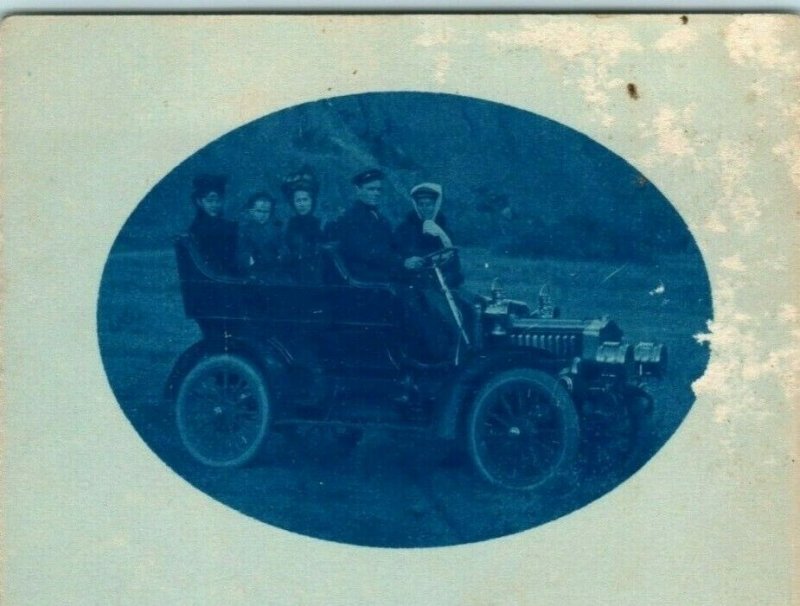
[404, 319]
[450, 309]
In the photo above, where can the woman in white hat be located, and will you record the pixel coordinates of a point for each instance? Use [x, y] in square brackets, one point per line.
[424, 231]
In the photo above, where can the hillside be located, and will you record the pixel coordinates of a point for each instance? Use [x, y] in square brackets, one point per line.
[514, 181]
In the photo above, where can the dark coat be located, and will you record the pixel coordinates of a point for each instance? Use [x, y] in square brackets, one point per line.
[215, 238]
[410, 241]
[367, 246]
[260, 247]
[303, 236]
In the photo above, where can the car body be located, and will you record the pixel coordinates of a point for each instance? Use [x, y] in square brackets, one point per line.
[514, 396]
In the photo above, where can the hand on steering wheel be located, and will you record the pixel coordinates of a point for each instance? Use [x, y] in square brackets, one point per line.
[438, 257]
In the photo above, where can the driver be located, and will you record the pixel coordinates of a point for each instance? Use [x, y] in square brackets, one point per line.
[424, 232]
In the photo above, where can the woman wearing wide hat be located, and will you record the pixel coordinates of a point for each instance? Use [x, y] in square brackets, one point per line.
[304, 229]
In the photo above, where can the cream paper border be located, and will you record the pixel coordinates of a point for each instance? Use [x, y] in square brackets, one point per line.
[95, 110]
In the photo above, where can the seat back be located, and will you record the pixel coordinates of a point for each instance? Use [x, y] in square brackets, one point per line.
[335, 271]
[205, 293]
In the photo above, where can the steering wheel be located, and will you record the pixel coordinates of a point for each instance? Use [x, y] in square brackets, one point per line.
[438, 257]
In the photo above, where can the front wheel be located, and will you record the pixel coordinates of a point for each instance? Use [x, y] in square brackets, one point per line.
[522, 430]
[616, 430]
[222, 411]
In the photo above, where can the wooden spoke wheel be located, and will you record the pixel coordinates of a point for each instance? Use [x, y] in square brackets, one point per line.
[222, 411]
[522, 431]
[613, 430]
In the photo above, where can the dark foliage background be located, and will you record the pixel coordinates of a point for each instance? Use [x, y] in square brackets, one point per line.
[514, 181]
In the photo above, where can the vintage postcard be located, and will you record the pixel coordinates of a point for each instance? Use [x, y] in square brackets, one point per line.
[400, 309]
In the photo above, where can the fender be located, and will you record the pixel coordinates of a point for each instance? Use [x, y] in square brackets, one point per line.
[270, 357]
[457, 392]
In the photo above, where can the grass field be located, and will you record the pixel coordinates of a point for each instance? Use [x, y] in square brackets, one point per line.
[391, 491]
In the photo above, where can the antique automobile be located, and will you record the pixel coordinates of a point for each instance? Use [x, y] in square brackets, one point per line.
[514, 397]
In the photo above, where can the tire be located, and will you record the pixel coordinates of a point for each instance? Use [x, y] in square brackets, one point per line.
[615, 431]
[642, 407]
[523, 412]
[608, 434]
[222, 411]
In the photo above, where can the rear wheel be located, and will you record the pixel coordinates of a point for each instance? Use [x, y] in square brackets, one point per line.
[522, 430]
[222, 411]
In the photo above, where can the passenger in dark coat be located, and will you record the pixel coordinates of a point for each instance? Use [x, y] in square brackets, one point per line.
[364, 234]
[214, 236]
[260, 239]
[304, 229]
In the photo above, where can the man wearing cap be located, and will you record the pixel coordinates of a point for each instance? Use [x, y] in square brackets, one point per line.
[364, 234]
[214, 236]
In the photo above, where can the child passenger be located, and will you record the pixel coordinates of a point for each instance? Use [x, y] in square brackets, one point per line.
[260, 239]
[214, 236]
[303, 231]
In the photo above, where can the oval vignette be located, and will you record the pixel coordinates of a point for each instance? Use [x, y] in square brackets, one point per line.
[528, 201]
